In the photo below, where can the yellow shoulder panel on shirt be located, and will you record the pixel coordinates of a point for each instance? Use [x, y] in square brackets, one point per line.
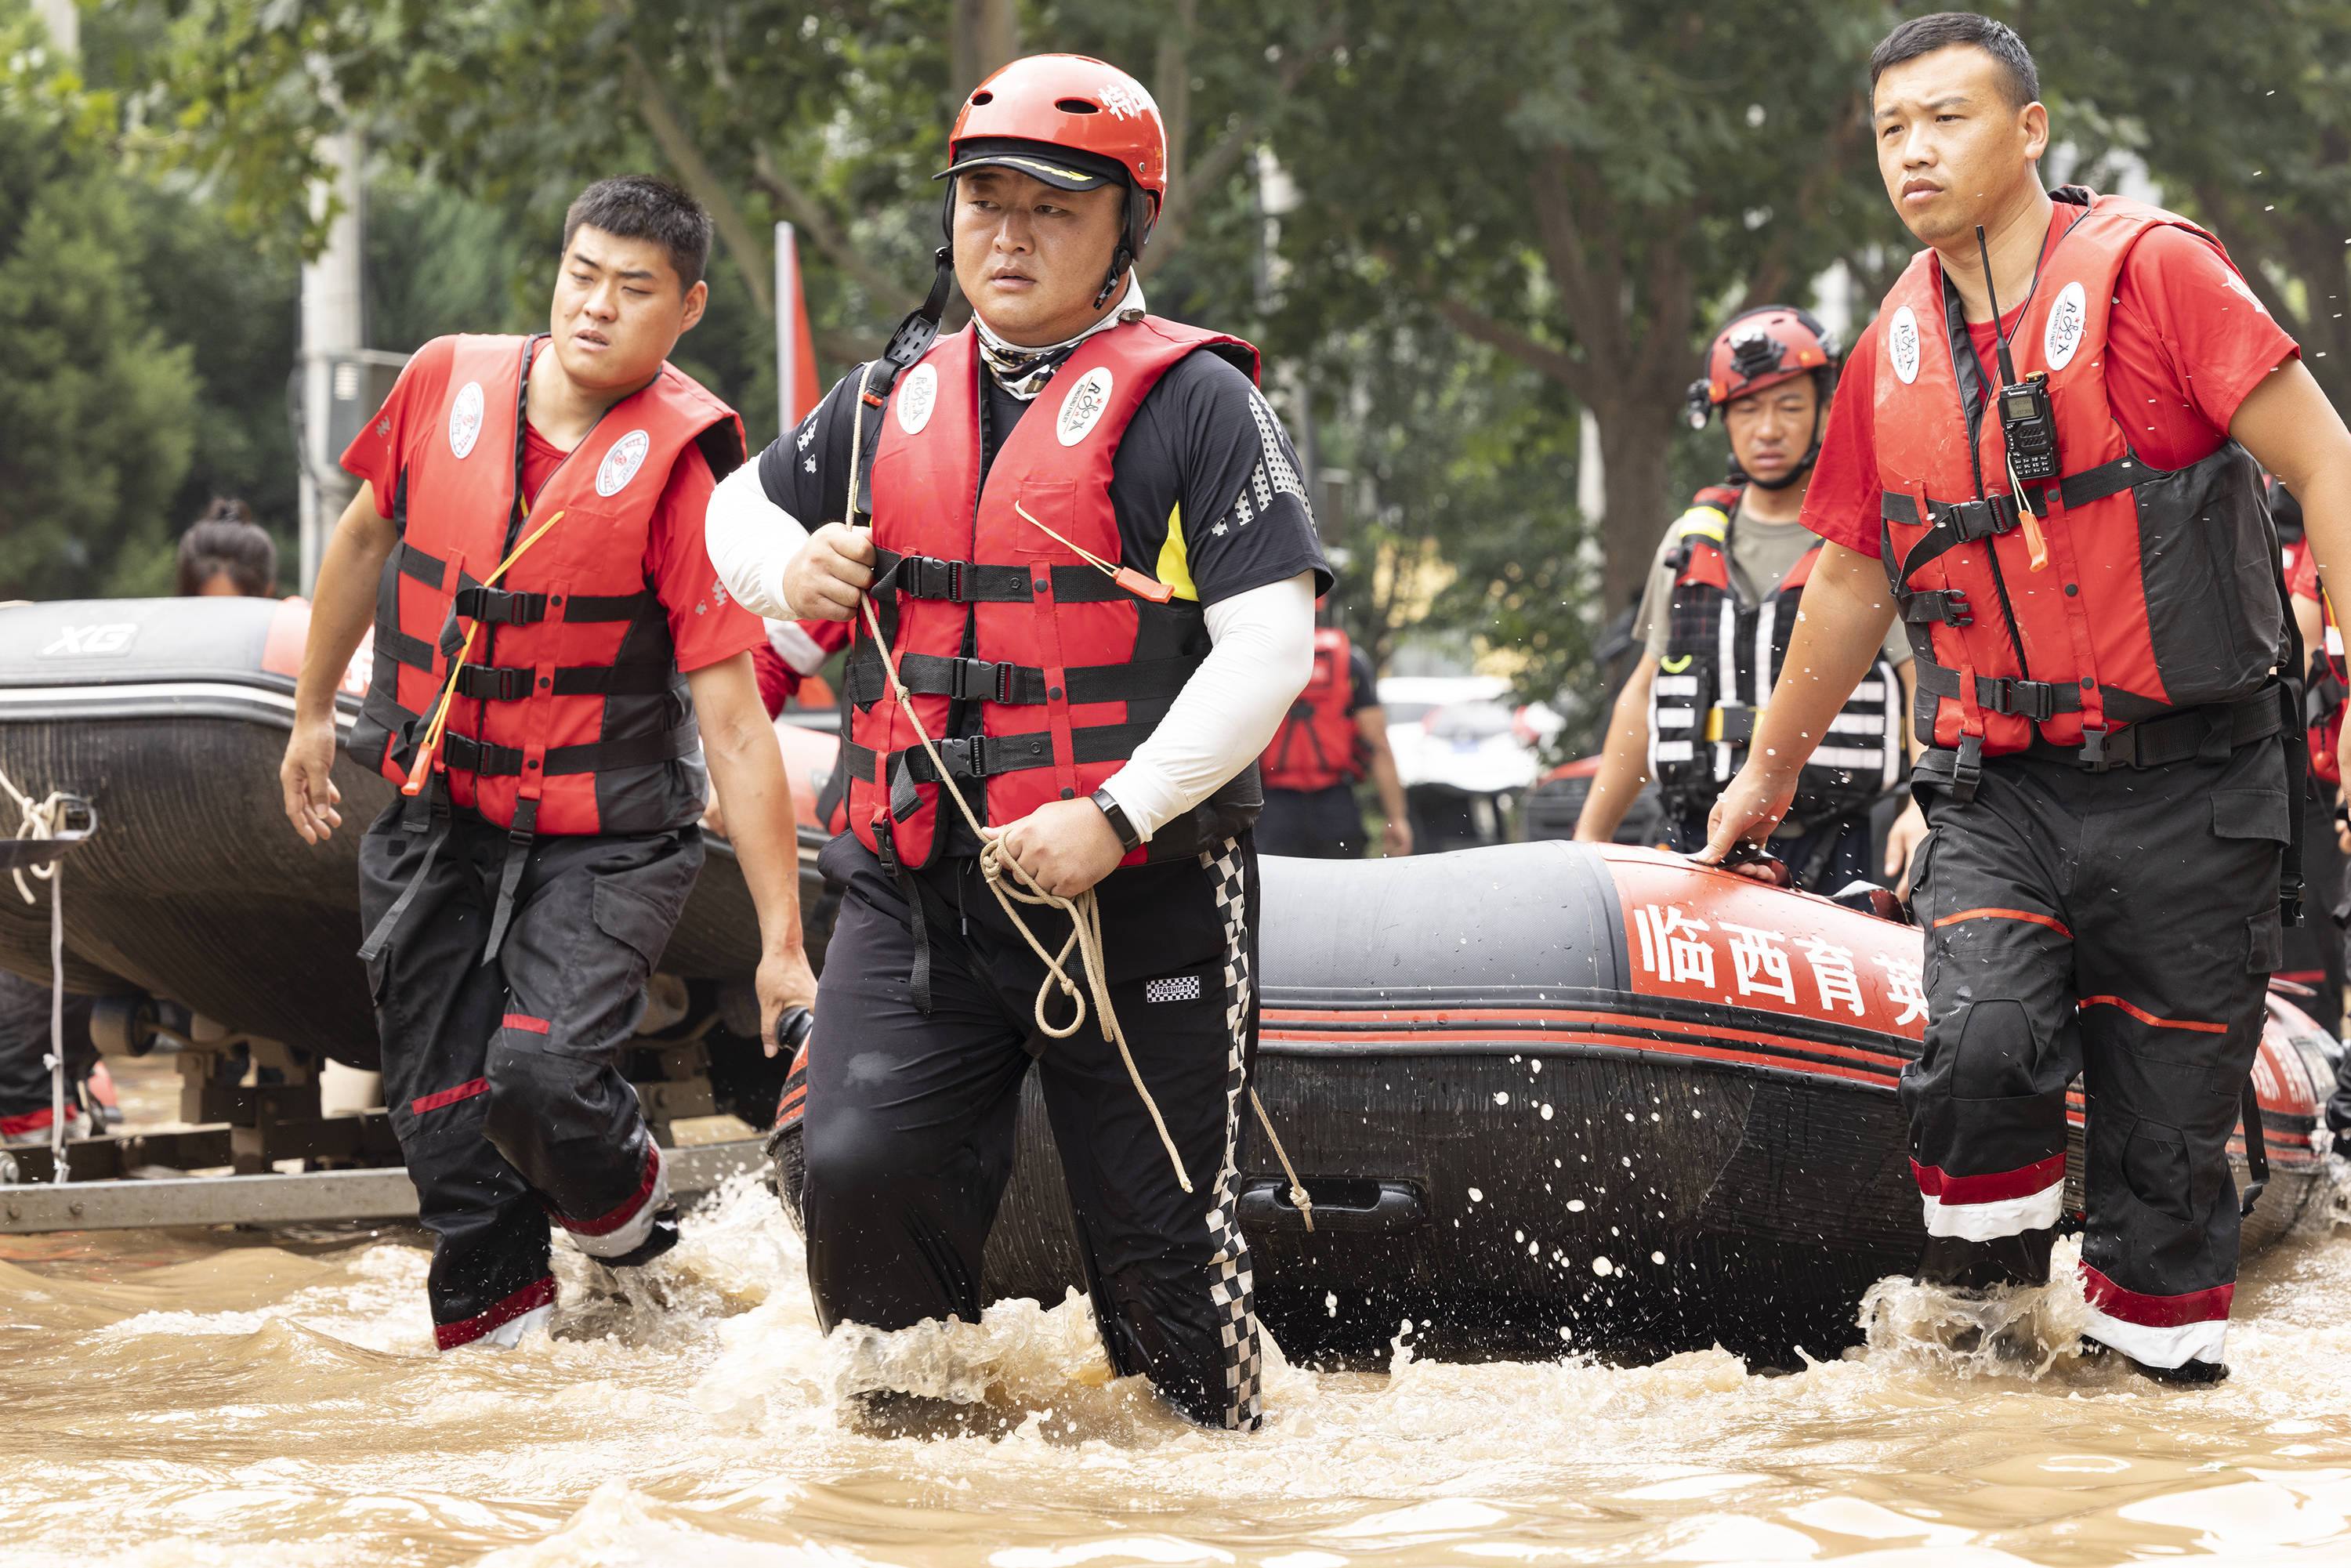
[1174, 566]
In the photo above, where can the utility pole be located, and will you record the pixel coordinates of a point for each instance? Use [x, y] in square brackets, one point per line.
[333, 331]
[64, 23]
[985, 35]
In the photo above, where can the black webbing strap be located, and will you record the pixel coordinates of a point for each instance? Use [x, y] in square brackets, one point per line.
[918, 981]
[927, 674]
[519, 837]
[401, 648]
[910, 342]
[2036, 700]
[428, 569]
[2107, 479]
[2210, 732]
[584, 607]
[512, 683]
[2257, 1148]
[984, 757]
[466, 754]
[427, 813]
[969, 582]
[954, 582]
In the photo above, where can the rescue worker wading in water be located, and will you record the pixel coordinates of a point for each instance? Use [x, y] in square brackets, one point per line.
[2106, 680]
[1105, 729]
[516, 904]
[1716, 619]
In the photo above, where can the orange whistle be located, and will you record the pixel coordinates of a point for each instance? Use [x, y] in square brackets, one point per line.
[1142, 587]
[2036, 548]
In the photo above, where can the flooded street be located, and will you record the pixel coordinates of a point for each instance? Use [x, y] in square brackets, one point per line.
[219, 1399]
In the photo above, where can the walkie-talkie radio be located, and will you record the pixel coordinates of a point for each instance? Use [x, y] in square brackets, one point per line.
[2030, 427]
[2028, 422]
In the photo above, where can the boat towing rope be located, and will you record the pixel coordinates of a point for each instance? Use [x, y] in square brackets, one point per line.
[1084, 911]
[45, 831]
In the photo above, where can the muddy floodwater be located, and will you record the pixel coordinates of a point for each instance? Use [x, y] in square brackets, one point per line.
[217, 1397]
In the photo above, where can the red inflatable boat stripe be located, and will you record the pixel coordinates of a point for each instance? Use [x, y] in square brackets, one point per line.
[433, 1102]
[1280, 1023]
[1999, 1187]
[2155, 1312]
[2152, 1022]
[1883, 1077]
[2025, 915]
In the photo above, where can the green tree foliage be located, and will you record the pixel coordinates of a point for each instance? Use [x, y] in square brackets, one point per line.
[1587, 189]
[97, 406]
[2246, 123]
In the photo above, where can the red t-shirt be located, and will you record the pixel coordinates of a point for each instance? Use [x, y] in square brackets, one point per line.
[2186, 342]
[704, 622]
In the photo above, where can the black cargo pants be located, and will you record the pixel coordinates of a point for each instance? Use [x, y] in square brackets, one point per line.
[502, 1079]
[2121, 925]
[910, 1117]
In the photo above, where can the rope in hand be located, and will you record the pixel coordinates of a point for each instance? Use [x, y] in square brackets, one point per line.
[1084, 911]
[40, 821]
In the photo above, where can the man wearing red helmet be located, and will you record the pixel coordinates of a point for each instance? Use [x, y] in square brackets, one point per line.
[2045, 459]
[1716, 619]
[1082, 533]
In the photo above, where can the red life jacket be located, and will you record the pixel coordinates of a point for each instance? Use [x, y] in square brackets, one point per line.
[1035, 674]
[571, 700]
[1318, 743]
[2160, 590]
[1722, 661]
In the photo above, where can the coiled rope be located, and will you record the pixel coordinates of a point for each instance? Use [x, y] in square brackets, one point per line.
[40, 821]
[1084, 911]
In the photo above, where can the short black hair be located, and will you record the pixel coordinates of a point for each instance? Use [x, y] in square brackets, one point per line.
[226, 539]
[1925, 34]
[646, 206]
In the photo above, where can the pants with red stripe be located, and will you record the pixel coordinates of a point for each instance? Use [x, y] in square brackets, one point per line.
[504, 1079]
[2121, 926]
[910, 1115]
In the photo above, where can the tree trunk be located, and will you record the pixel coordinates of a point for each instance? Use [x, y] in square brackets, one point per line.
[986, 37]
[1635, 457]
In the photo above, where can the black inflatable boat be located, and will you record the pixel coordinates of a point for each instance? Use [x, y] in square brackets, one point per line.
[170, 716]
[1551, 1095]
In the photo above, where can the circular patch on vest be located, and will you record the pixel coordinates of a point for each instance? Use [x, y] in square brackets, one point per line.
[465, 418]
[2067, 318]
[1902, 344]
[1082, 405]
[621, 463]
[917, 395]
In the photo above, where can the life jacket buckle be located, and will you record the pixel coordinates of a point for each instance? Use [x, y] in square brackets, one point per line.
[2035, 700]
[1980, 519]
[2094, 758]
[1948, 605]
[1966, 767]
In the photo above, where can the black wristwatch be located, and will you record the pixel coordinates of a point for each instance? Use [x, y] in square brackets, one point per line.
[1128, 839]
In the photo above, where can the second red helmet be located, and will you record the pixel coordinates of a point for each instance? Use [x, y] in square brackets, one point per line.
[1762, 348]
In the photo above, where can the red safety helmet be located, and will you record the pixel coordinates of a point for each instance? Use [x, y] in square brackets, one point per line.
[1762, 348]
[1074, 122]
[1759, 349]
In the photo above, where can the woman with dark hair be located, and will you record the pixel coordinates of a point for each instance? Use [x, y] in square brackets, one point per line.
[227, 553]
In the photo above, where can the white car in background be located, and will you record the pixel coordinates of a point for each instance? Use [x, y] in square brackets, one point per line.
[1465, 753]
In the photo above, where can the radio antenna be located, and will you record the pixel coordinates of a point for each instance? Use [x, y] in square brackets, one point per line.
[2007, 368]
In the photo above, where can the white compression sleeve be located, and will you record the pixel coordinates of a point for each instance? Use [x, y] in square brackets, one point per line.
[751, 541]
[1261, 654]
